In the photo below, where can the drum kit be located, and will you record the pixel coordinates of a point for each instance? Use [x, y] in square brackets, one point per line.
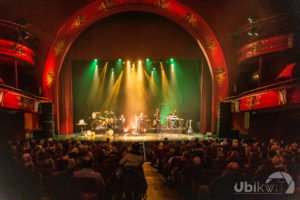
[99, 122]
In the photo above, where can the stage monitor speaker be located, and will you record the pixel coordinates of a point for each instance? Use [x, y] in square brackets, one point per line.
[224, 120]
[100, 131]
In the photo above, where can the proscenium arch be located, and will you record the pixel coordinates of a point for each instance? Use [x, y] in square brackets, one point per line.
[173, 10]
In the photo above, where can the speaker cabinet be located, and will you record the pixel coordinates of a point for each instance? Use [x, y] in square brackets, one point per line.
[47, 125]
[224, 127]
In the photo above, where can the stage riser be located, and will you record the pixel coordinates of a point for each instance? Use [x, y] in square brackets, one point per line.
[151, 130]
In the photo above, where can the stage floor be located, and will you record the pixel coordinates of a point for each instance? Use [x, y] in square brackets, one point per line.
[134, 138]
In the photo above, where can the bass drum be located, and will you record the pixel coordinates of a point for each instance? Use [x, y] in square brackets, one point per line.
[103, 123]
[96, 125]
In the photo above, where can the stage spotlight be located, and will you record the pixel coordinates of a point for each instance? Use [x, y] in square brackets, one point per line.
[171, 59]
[112, 69]
[254, 30]
[139, 62]
[172, 68]
[128, 62]
[120, 60]
[96, 60]
[251, 20]
[147, 60]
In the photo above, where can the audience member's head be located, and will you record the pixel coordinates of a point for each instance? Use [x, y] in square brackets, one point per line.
[232, 167]
[277, 161]
[62, 164]
[136, 146]
[197, 160]
[86, 162]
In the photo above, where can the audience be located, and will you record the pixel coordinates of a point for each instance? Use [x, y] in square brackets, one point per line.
[205, 169]
[212, 167]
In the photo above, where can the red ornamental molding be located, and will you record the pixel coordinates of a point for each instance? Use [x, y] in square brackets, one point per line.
[170, 9]
[258, 101]
[17, 101]
[17, 51]
[173, 10]
[267, 99]
[270, 45]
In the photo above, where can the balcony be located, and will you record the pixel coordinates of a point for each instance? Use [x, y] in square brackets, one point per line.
[284, 93]
[17, 33]
[15, 99]
[17, 42]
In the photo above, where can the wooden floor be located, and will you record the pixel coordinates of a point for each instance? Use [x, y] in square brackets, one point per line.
[157, 189]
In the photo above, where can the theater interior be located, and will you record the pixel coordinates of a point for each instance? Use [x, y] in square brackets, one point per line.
[150, 99]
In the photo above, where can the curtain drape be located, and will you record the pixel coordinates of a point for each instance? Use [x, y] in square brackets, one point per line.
[65, 98]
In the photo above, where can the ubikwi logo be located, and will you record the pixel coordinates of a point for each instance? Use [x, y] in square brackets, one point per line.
[277, 183]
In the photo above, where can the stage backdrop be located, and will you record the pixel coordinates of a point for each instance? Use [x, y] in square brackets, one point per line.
[130, 87]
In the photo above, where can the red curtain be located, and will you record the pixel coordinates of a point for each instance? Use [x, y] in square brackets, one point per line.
[65, 98]
[205, 98]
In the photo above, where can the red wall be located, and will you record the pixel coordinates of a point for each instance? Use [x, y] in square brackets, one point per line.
[12, 126]
[281, 125]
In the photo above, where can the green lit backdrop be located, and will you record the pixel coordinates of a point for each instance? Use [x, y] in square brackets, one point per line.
[130, 87]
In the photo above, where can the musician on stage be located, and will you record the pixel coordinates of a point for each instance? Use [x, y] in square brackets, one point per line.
[121, 124]
[173, 113]
[141, 119]
[157, 121]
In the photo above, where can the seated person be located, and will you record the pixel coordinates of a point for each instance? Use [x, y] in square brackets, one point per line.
[88, 172]
[134, 184]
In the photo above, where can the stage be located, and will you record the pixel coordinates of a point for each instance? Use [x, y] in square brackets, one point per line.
[147, 137]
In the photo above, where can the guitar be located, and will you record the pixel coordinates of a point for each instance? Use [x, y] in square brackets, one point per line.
[190, 130]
